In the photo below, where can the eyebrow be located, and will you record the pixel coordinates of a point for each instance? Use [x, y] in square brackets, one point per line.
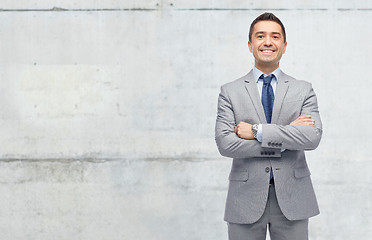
[265, 32]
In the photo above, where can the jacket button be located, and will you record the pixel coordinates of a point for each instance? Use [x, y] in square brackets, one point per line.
[267, 169]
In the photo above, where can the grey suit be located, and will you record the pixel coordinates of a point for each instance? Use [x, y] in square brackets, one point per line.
[249, 176]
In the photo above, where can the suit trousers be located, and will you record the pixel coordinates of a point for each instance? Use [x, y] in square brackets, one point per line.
[280, 227]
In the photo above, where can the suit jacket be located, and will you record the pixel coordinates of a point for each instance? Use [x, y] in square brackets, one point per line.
[249, 177]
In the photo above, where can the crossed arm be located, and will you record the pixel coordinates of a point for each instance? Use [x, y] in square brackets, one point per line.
[244, 130]
[237, 141]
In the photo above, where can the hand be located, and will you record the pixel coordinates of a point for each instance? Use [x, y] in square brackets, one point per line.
[303, 120]
[244, 130]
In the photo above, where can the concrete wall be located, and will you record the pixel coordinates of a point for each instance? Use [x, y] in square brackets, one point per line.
[108, 111]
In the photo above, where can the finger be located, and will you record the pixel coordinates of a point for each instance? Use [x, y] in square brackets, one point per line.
[307, 120]
[310, 120]
[236, 129]
[304, 117]
[238, 133]
[307, 123]
[301, 118]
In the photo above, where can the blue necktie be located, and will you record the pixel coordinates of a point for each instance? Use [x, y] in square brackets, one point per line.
[268, 101]
[267, 96]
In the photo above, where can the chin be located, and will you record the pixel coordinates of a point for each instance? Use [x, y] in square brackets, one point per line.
[269, 61]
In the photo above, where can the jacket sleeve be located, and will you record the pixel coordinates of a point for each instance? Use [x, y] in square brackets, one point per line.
[228, 143]
[296, 137]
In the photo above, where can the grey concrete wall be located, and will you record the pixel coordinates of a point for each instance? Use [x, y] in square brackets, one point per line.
[108, 110]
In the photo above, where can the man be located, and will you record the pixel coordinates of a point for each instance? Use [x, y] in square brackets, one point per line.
[265, 121]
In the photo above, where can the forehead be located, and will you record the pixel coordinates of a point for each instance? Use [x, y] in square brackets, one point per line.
[267, 26]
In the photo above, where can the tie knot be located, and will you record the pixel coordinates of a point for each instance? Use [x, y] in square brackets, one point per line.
[267, 79]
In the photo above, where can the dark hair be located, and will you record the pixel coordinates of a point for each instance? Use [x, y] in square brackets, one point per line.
[266, 17]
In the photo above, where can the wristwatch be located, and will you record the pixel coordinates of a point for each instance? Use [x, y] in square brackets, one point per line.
[254, 130]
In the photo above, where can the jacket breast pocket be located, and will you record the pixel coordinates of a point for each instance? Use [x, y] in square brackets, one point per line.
[301, 172]
[241, 176]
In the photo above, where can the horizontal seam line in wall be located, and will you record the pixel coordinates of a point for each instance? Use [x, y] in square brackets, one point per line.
[251, 9]
[101, 160]
[56, 9]
[79, 10]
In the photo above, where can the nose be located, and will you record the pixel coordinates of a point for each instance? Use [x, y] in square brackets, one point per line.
[267, 41]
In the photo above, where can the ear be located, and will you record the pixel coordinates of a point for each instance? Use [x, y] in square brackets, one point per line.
[284, 47]
[250, 46]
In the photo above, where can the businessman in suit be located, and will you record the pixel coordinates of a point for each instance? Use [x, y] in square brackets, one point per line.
[265, 121]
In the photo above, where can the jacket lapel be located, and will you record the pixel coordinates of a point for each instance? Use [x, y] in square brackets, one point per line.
[252, 90]
[281, 91]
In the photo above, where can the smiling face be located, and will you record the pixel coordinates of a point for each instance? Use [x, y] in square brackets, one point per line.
[267, 45]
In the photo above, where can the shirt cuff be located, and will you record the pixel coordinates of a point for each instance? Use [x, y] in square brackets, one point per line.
[259, 133]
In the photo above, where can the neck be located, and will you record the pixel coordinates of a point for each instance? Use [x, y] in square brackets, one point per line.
[267, 69]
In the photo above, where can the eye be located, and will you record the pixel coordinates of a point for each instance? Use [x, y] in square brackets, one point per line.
[260, 36]
[276, 37]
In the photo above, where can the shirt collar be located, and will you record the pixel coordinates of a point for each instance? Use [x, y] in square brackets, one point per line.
[257, 73]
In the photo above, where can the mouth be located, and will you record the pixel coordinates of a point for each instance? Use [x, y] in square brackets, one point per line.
[267, 51]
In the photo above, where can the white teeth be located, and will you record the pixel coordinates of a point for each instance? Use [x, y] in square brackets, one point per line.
[267, 51]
